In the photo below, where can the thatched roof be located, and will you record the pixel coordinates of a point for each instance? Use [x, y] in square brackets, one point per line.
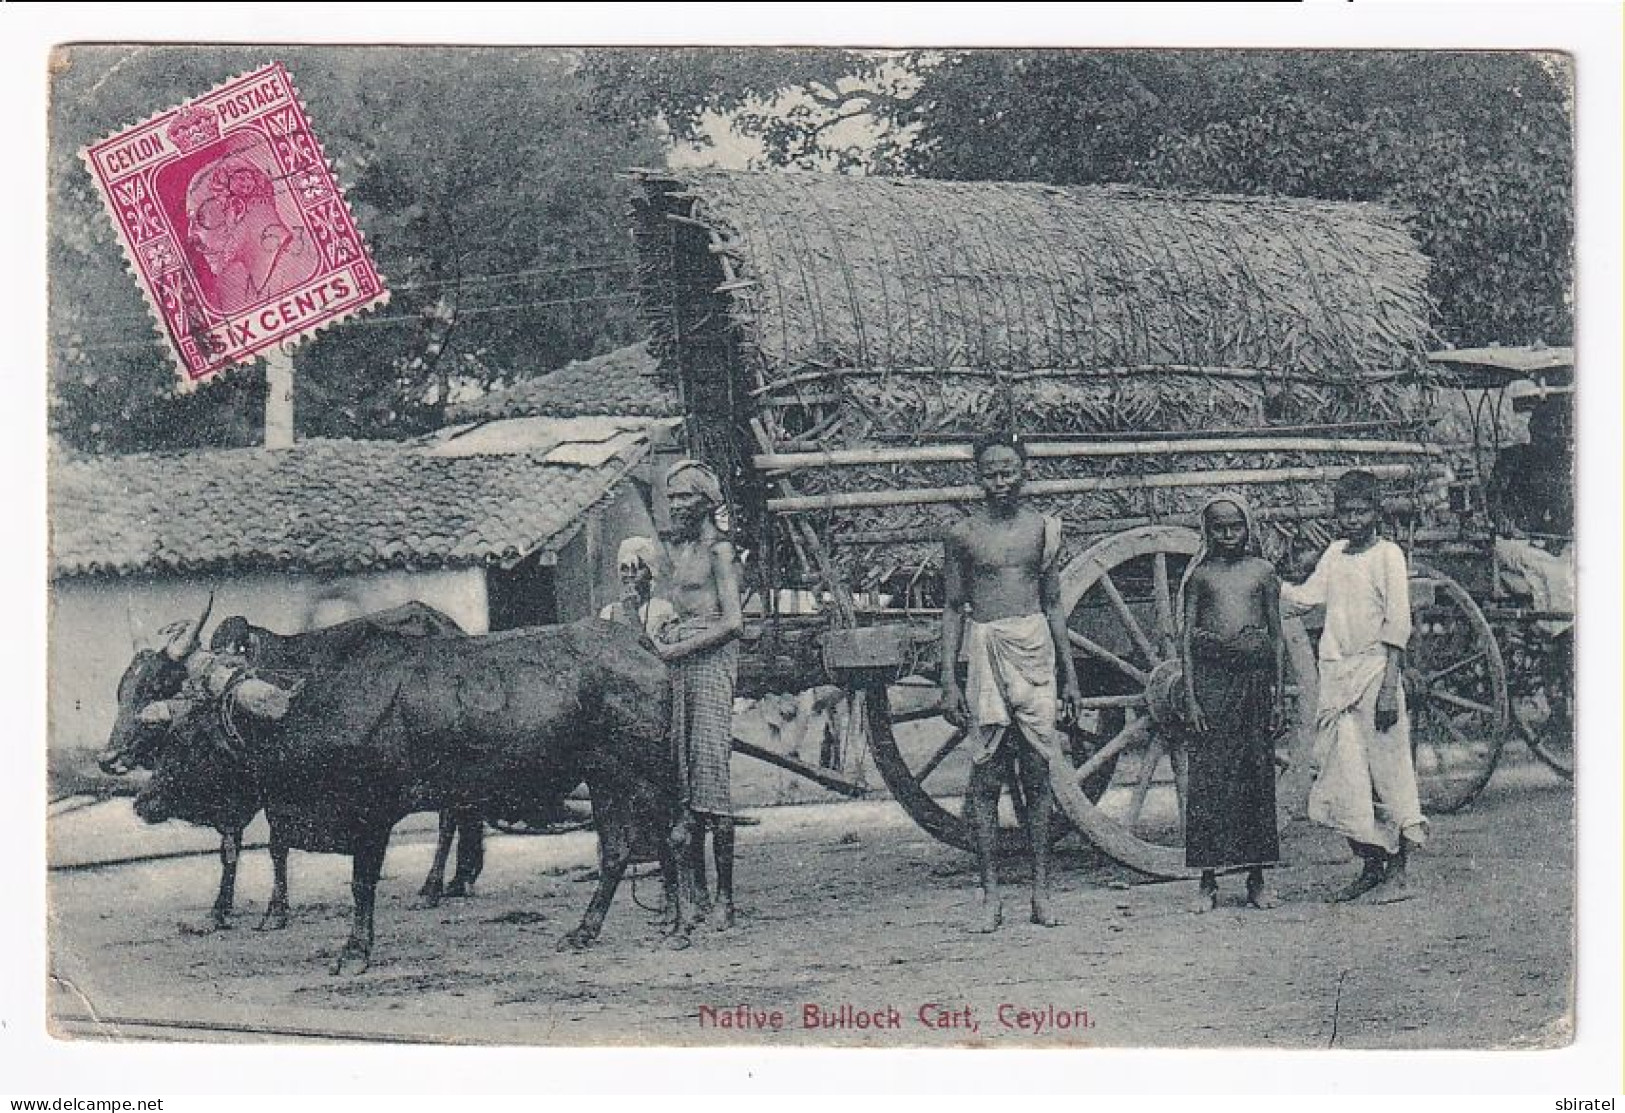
[826, 271]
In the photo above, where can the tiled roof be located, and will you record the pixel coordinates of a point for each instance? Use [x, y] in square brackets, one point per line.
[332, 505]
[621, 383]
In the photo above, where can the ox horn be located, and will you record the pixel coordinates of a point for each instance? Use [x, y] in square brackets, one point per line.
[180, 647]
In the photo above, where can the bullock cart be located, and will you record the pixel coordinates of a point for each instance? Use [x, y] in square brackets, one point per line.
[838, 343]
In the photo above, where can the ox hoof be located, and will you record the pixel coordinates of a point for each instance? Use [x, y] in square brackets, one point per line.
[273, 920]
[989, 917]
[678, 941]
[204, 927]
[577, 940]
[424, 901]
[460, 889]
[351, 960]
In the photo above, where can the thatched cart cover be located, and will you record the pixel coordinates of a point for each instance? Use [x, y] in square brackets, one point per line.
[893, 320]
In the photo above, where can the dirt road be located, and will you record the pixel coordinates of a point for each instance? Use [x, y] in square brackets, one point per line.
[849, 909]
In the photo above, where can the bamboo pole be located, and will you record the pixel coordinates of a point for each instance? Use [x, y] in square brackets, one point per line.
[1038, 450]
[1098, 526]
[1104, 374]
[1391, 428]
[921, 496]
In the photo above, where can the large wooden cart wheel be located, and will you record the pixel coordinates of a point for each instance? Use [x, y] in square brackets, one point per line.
[1120, 597]
[925, 761]
[1456, 692]
[1552, 740]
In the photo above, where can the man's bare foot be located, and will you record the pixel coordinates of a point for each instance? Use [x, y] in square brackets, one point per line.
[1259, 894]
[1042, 916]
[1206, 900]
[722, 917]
[990, 916]
[1394, 886]
[1370, 877]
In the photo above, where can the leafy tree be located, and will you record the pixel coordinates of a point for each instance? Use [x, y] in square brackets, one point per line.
[488, 191]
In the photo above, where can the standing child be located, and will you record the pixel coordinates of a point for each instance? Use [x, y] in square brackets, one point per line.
[1234, 663]
[1366, 787]
[639, 606]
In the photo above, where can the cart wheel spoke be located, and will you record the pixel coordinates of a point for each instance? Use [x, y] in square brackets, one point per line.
[1142, 784]
[1451, 728]
[1167, 627]
[1018, 800]
[1443, 695]
[1126, 616]
[1128, 736]
[1135, 700]
[1095, 649]
[936, 759]
[1461, 665]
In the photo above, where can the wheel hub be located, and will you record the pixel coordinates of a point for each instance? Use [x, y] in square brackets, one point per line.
[1165, 693]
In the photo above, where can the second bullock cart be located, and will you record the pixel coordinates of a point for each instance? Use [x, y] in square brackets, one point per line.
[839, 342]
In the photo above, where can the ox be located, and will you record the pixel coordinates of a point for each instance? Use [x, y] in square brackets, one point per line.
[228, 803]
[501, 725]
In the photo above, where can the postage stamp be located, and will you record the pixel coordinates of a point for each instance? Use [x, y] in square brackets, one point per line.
[234, 222]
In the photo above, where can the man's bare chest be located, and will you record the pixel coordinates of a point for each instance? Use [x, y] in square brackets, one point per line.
[691, 568]
[994, 547]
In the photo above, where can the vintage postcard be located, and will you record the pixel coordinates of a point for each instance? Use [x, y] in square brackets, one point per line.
[923, 548]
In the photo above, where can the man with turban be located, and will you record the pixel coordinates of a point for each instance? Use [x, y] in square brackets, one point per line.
[701, 648]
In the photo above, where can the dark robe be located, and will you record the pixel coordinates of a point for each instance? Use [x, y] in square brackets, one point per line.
[1230, 806]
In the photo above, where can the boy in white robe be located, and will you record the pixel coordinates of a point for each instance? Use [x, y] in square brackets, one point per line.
[1366, 785]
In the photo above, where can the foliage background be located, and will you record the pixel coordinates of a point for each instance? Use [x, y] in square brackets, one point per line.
[487, 182]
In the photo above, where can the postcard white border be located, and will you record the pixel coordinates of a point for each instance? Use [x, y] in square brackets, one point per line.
[33, 1065]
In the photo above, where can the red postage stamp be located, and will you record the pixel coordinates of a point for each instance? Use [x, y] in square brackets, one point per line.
[234, 222]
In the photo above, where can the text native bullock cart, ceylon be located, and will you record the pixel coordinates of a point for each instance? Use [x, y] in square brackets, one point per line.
[839, 342]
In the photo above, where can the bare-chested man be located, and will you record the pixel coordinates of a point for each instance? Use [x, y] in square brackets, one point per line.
[702, 650]
[1003, 606]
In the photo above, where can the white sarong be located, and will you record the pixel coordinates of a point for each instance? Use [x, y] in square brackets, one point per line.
[1366, 788]
[1011, 677]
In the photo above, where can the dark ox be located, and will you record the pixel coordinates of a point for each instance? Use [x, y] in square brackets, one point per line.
[221, 797]
[502, 725]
